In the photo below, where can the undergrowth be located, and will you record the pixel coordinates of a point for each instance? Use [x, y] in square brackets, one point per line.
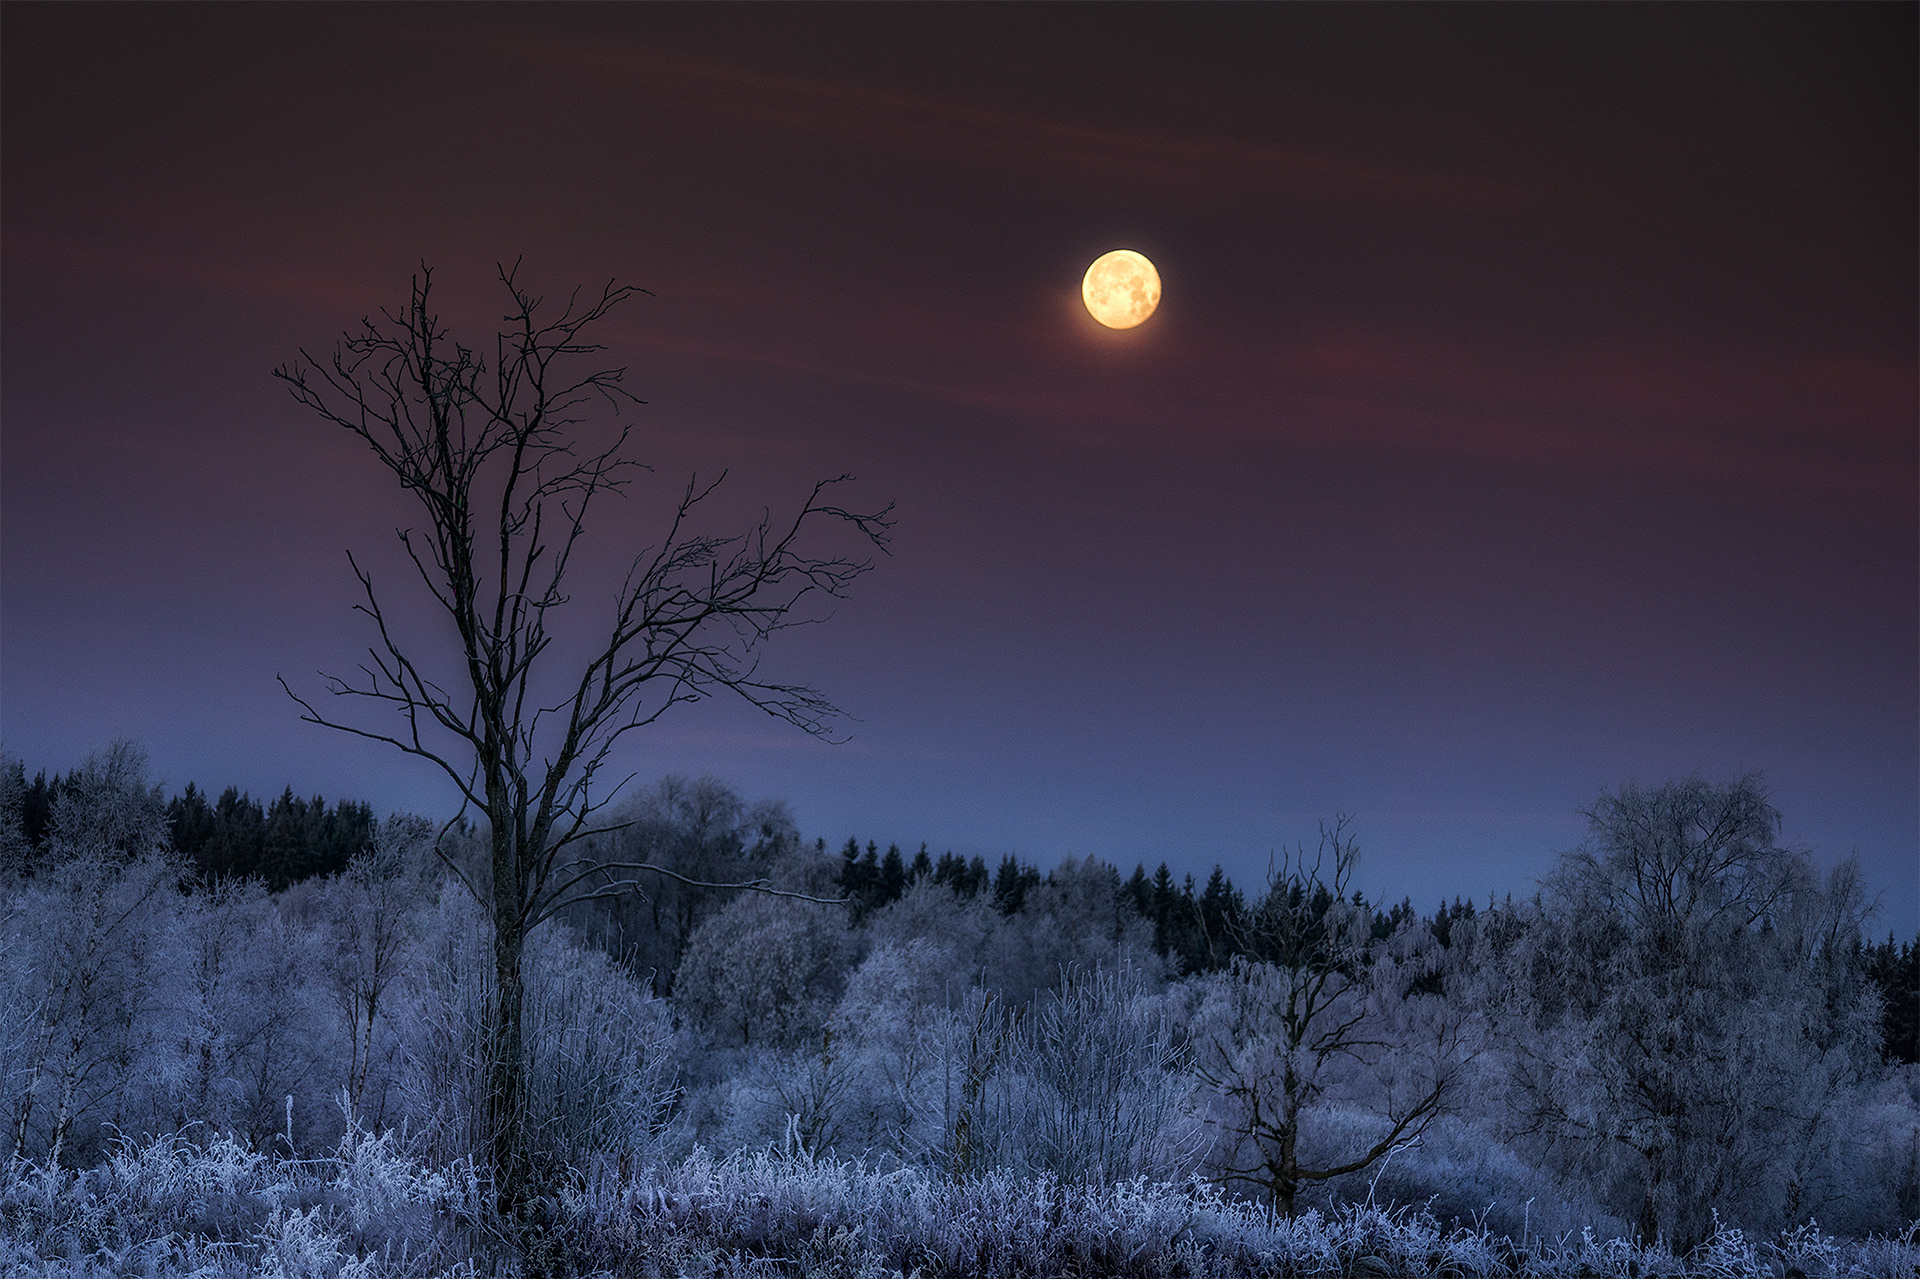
[177, 1205]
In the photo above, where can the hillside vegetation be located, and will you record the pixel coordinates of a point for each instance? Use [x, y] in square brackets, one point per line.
[1679, 1056]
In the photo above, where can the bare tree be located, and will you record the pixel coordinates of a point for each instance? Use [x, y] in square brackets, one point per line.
[488, 448]
[1317, 1010]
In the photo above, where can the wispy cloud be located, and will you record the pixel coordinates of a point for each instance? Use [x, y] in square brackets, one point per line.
[1821, 425]
[1185, 166]
[30, 249]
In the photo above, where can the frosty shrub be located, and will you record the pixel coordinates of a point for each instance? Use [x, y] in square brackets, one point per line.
[169, 1206]
[888, 1024]
[444, 1080]
[1101, 1093]
[601, 1054]
[251, 1029]
[765, 971]
[1462, 1174]
[601, 1072]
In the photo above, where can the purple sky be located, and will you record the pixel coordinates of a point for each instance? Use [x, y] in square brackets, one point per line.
[1532, 405]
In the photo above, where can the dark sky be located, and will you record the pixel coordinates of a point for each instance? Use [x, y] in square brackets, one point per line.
[1532, 405]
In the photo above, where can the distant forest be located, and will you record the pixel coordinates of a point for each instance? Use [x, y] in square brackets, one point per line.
[234, 837]
[293, 839]
[1197, 932]
[241, 1037]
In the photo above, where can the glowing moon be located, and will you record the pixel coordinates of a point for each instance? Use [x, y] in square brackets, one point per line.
[1121, 288]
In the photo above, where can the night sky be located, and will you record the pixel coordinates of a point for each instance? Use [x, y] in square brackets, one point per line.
[1531, 407]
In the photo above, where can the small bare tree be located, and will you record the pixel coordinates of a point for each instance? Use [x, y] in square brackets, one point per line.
[488, 447]
[1316, 1009]
[369, 916]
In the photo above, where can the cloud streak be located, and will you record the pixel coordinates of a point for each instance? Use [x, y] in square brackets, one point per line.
[1176, 166]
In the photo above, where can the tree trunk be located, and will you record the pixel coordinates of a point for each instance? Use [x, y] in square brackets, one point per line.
[23, 1111]
[1286, 1182]
[1650, 1203]
[507, 1065]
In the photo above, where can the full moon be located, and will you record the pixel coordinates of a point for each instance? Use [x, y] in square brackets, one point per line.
[1121, 288]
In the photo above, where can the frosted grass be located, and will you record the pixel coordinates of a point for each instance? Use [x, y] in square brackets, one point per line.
[176, 1206]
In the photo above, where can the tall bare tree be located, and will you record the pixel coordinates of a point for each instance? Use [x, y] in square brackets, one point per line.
[493, 448]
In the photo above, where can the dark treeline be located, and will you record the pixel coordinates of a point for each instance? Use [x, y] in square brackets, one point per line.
[1895, 969]
[290, 840]
[1196, 929]
[1203, 931]
[235, 836]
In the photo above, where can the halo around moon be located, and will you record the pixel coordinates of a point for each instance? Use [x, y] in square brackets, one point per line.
[1121, 288]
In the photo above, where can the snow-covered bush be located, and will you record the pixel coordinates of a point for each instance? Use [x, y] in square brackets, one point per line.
[765, 971]
[1099, 1091]
[169, 1206]
[601, 1051]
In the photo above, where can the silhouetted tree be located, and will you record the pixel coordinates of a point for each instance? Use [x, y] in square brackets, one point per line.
[1221, 909]
[1896, 971]
[893, 874]
[1012, 883]
[14, 848]
[36, 809]
[193, 825]
[240, 836]
[489, 445]
[963, 876]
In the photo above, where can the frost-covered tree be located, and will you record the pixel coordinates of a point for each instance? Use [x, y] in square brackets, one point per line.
[766, 972]
[703, 832]
[108, 809]
[1681, 1011]
[886, 1029]
[370, 920]
[245, 1027]
[91, 934]
[959, 932]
